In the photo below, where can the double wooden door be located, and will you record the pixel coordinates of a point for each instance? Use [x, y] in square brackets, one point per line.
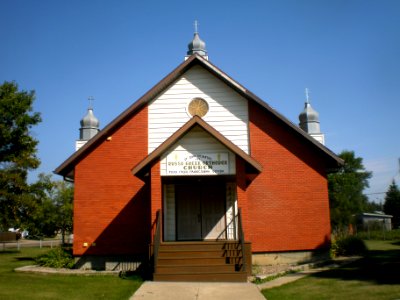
[200, 211]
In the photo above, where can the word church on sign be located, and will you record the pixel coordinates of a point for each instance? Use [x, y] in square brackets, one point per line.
[197, 164]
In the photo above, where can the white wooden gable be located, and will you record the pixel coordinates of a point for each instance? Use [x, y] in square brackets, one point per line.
[197, 142]
[228, 111]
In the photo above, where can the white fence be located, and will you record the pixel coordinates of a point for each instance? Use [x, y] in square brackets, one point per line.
[24, 243]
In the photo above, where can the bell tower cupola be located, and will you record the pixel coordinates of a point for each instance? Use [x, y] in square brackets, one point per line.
[197, 45]
[309, 121]
[89, 126]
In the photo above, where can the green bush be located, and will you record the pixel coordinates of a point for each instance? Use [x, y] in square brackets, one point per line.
[56, 258]
[348, 246]
[379, 235]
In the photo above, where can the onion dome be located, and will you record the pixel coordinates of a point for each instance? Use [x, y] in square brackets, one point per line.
[89, 125]
[197, 45]
[309, 118]
[90, 121]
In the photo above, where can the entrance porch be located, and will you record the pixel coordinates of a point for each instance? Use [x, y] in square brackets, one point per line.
[197, 180]
[199, 208]
[198, 235]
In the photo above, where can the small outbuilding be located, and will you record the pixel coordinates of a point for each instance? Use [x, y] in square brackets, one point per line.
[376, 220]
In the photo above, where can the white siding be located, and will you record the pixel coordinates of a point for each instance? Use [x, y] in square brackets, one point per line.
[228, 112]
[197, 141]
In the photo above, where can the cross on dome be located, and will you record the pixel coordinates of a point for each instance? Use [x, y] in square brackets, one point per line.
[307, 96]
[197, 45]
[90, 99]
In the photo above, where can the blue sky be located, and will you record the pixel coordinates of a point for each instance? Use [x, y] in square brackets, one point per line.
[347, 52]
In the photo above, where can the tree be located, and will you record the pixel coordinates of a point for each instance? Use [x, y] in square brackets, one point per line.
[372, 207]
[346, 190]
[17, 151]
[50, 207]
[392, 204]
[39, 215]
[63, 194]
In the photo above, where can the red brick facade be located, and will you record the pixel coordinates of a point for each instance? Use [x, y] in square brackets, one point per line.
[288, 202]
[285, 208]
[156, 195]
[111, 206]
[284, 201]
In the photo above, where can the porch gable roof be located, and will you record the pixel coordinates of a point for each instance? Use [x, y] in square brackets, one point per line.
[141, 169]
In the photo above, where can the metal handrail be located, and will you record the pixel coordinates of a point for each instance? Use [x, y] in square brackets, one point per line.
[241, 238]
[157, 239]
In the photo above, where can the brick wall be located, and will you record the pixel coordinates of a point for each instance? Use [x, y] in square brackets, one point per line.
[241, 194]
[156, 196]
[111, 206]
[285, 208]
[288, 203]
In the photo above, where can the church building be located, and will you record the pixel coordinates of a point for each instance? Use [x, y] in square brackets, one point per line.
[200, 178]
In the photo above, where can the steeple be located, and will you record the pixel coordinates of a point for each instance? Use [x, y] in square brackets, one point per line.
[309, 121]
[89, 126]
[197, 45]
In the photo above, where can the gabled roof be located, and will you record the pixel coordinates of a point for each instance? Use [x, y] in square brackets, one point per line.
[66, 169]
[142, 167]
[376, 215]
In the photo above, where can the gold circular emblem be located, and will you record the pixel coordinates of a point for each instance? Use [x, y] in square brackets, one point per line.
[198, 107]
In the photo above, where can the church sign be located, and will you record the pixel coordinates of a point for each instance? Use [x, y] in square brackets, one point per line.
[186, 163]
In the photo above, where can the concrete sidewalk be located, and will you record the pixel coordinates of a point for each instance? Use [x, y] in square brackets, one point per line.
[305, 272]
[197, 291]
[289, 278]
[224, 290]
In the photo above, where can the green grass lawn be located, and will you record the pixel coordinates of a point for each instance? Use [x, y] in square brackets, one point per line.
[376, 276]
[15, 285]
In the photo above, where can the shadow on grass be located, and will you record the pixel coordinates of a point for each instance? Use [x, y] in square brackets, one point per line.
[9, 252]
[132, 275]
[381, 267]
[24, 258]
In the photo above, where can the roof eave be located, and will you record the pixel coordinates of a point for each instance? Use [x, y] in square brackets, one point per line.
[63, 169]
[334, 161]
[67, 167]
[337, 161]
[141, 169]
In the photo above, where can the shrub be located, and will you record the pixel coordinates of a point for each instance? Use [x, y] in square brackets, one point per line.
[56, 258]
[379, 235]
[348, 246]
